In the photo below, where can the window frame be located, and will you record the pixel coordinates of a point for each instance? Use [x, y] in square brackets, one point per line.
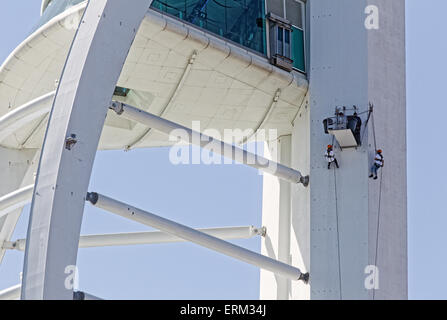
[303, 29]
[272, 22]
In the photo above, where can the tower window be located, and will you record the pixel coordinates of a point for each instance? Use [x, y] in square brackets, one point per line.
[280, 49]
[121, 92]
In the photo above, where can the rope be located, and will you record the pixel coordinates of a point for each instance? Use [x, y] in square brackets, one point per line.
[337, 220]
[378, 228]
[366, 126]
[374, 131]
[338, 234]
[379, 203]
[363, 112]
[370, 116]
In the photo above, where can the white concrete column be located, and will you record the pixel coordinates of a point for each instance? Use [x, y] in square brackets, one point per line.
[338, 197]
[353, 63]
[300, 212]
[276, 217]
[388, 199]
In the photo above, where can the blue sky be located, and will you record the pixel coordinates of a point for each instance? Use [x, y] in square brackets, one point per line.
[206, 196]
[427, 178]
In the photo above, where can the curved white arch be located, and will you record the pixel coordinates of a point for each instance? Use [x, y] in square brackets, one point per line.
[44, 5]
[39, 32]
[91, 72]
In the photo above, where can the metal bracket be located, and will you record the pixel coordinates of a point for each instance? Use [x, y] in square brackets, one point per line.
[117, 107]
[260, 231]
[304, 180]
[304, 277]
[92, 197]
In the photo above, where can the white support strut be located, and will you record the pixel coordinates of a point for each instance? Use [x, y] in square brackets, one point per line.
[206, 142]
[149, 237]
[196, 236]
[15, 200]
[12, 293]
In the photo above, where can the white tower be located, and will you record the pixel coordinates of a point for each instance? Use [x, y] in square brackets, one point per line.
[283, 65]
[344, 222]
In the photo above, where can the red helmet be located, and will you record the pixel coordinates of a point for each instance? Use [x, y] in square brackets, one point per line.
[379, 151]
[329, 146]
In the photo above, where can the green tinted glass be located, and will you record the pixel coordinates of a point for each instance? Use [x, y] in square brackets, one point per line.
[298, 49]
[241, 21]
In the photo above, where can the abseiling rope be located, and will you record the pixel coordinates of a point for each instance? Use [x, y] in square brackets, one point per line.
[379, 204]
[370, 116]
[338, 233]
[374, 132]
[366, 127]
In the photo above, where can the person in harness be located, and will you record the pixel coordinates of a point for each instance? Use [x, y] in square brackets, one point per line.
[330, 157]
[378, 163]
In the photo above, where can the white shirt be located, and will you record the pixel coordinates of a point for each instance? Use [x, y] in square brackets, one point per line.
[330, 156]
[378, 160]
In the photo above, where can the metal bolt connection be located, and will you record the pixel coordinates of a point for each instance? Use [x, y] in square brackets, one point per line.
[262, 231]
[78, 295]
[117, 107]
[305, 181]
[304, 277]
[92, 197]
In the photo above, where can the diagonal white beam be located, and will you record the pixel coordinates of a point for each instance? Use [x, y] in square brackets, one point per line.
[12, 293]
[151, 237]
[171, 100]
[15, 200]
[17, 118]
[225, 149]
[196, 236]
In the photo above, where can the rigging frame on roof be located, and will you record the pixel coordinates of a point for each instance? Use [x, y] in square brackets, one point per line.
[345, 128]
